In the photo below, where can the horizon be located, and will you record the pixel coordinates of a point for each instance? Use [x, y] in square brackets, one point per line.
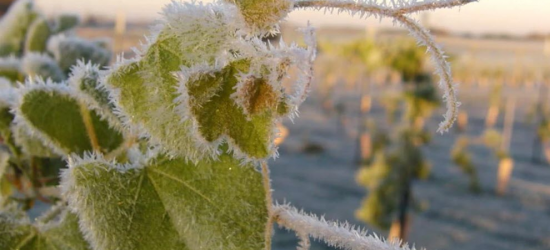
[489, 16]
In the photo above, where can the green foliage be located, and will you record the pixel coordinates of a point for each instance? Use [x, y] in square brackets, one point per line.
[85, 81]
[37, 36]
[461, 158]
[263, 15]
[379, 207]
[387, 177]
[221, 103]
[398, 159]
[408, 59]
[493, 140]
[363, 51]
[14, 26]
[43, 66]
[421, 99]
[57, 229]
[29, 144]
[66, 22]
[46, 110]
[68, 51]
[27, 44]
[218, 115]
[169, 204]
[10, 69]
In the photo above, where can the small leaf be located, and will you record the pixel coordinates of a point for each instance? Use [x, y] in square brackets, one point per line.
[14, 25]
[66, 22]
[155, 113]
[262, 15]
[42, 65]
[31, 146]
[6, 119]
[68, 50]
[37, 36]
[85, 82]
[57, 230]
[15, 227]
[59, 119]
[220, 116]
[10, 68]
[169, 204]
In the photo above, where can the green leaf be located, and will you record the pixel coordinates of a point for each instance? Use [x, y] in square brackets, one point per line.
[6, 118]
[15, 227]
[59, 119]
[199, 84]
[155, 113]
[10, 68]
[85, 81]
[37, 36]
[14, 25]
[169, 204]
[41, 65]
[262, 15]
[219, 115]
[30, 145]
[66, 22]
[68, 50]
[58, 229]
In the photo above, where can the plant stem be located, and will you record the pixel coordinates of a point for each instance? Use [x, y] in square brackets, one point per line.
[269, 205]
[87, 119]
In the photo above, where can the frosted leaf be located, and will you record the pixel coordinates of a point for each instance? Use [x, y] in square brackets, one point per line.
[37, 36]
[14, 25]
[52, 113]
[158, 203]
[65, 22]
[57, 229]
[36, 65]
[10, 68]
[261, 15]
[85, 83]
[68, 50]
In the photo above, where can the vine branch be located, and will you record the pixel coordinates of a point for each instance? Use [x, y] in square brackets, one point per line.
[373, 8]
[397, 11]
[341, 235]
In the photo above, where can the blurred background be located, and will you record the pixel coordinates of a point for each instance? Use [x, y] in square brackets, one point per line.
[364, 148]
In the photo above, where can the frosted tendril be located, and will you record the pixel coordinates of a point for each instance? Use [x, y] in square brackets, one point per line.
[397, 10]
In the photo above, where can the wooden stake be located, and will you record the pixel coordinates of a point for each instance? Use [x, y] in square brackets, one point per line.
[366, 146]
[462, 121]
[509, 117]
[492, 116]
[506, 165]
[366, 102]
[395, 234]
[504, 172]
[547, 152]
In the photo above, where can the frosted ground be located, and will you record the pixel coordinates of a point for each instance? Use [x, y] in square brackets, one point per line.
[453, 218]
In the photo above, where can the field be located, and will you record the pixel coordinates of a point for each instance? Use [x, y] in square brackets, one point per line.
[448, 216]
[451, 217]
[317, 166]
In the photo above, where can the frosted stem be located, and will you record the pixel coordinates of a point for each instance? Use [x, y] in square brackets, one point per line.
[269, 202]
[442, 69]
[340, 235]
[373, 7]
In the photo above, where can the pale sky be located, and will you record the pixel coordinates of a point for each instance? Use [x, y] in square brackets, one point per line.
[495, 16]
